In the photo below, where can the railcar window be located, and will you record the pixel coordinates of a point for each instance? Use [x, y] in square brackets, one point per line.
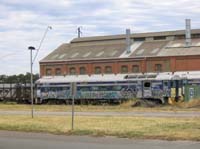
[84, 89]
[147, 84]
[116, 88]
[165, 83]
[172, 84]
[103, 88]
[95, 88]
[184, 82]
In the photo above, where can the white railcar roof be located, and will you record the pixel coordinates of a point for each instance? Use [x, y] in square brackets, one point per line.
[164, 76]
[81, 78]
[120, 77]
[188, 74]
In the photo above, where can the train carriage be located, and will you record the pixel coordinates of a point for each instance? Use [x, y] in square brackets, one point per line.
[116, 88]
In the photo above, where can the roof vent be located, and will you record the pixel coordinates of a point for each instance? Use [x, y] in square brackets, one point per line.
[128, 41]
[187, 33]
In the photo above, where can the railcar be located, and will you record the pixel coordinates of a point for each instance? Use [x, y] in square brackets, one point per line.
[117, 88]
[18, 92]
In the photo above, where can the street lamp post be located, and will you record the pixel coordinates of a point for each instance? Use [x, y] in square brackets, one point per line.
[31, 48]
[31, 63]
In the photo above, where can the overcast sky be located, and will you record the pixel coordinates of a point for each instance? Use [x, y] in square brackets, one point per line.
[23, 23]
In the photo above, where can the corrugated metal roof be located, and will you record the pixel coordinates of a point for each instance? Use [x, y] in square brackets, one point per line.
[178, 48]
[147, 47]
[135, 35]
[112, 48]
[86, 52]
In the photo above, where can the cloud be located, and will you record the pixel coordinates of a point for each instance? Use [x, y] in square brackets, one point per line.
[23, 23]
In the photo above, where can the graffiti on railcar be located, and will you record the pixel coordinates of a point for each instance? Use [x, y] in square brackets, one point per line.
[53, 93]
[157, 89]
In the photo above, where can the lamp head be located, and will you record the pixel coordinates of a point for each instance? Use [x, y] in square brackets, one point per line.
[31, 48]
[50, 27]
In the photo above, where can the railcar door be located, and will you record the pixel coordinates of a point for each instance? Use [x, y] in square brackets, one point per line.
[139, 89]
[176, 89]
[147, 93]
[166, 88]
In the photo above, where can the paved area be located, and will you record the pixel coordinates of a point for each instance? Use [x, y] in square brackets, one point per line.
[20, 140]
[142, 114]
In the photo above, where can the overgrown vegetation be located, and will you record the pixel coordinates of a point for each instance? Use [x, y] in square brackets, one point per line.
[130, 127]
[195, 103]
[124, 107]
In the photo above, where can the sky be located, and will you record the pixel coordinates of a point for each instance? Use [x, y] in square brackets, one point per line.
[24, 22]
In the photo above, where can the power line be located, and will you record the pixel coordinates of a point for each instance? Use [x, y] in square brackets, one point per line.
[42, 40]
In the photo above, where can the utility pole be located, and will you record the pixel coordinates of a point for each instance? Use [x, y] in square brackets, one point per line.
[73, 93]
[79, 32]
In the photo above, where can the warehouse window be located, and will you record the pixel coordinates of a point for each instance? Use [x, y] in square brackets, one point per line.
[82, 70]
[48, 72]
[135, 68]
[139, 39]
[124, 69]
[158, 67]
[72, 71]
[58, 72]
[159, 38]
[195, 35]
[108, 69]
[97, 70]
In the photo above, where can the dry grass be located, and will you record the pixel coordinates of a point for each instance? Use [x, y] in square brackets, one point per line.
[195, 103]
[98, 108]
[131, 127]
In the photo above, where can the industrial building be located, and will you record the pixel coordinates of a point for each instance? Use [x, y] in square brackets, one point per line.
[167, 51]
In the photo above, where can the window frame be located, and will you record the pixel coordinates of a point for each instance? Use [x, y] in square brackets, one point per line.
[123, 67]
[60, 72]
[48, 70]
[96, 68]
[158, 67]
[137, 68]
[82, 69]
[110, 70]
[70, 71]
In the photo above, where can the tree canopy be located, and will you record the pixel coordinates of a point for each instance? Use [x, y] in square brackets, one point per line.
[21, 78]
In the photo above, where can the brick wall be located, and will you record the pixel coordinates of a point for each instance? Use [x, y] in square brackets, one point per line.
[184, 63]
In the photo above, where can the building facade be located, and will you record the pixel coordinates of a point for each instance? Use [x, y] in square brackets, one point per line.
[134, 53]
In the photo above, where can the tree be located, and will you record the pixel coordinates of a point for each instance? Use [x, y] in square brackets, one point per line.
[21, 78]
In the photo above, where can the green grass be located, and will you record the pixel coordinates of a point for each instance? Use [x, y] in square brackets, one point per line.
[130, 127]
[125, 107]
